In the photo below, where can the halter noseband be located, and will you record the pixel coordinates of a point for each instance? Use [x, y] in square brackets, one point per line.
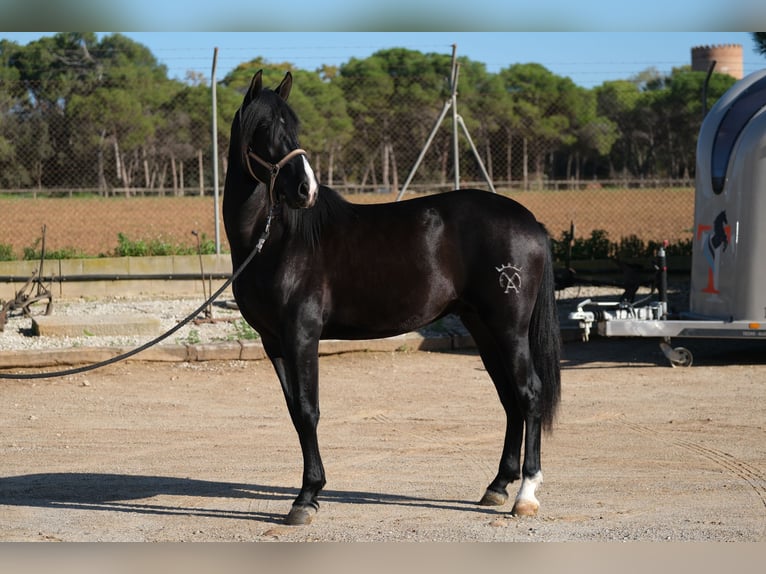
[272, 167]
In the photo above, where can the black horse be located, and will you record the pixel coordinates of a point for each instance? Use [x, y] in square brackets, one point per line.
[328, 268]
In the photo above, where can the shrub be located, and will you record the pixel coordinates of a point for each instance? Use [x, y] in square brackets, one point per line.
[598, 246]
[6, 252]
[34, 251]
[127, 247]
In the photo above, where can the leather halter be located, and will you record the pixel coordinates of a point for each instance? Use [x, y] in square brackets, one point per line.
[272, 167]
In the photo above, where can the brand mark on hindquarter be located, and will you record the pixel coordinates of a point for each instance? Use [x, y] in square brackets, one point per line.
[510, 277]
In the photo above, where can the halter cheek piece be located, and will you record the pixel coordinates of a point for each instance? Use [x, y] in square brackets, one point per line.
[274, 169]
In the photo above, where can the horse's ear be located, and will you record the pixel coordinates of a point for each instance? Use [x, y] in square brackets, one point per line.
[284, 88]
[256, 84]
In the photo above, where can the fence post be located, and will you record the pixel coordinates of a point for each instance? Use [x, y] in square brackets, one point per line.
[215, 154]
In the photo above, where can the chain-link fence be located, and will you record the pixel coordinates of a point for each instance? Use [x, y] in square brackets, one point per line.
[107, 176]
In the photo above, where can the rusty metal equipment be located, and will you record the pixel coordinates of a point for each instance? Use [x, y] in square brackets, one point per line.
[33, 292]
[207, 316]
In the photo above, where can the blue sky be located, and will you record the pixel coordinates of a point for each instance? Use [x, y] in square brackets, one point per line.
[369, 15]
[589, 58]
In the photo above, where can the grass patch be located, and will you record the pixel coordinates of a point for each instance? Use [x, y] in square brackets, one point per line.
[244, 332]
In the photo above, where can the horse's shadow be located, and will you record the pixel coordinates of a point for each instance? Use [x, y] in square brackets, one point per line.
[121, 493]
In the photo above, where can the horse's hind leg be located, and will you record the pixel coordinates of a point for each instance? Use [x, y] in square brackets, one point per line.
[508, 363]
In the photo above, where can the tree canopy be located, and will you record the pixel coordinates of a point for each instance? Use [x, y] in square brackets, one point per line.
[82, 112]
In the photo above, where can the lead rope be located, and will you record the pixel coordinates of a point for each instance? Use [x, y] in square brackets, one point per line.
[123, 356]
[273, 212]
[128, 354]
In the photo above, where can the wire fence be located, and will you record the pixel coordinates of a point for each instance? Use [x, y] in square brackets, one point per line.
[99, 195]
[92, 226]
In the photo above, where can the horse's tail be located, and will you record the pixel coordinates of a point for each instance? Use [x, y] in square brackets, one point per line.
[545, 341]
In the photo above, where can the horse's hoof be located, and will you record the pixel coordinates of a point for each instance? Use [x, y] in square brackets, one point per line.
[493, 498]
[525, 508]
[300, 515]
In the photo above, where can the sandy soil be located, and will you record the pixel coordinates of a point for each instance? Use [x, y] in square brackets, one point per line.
[90, 225]
[205, 452]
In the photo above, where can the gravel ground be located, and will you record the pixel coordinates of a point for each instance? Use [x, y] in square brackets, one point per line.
[226, 326]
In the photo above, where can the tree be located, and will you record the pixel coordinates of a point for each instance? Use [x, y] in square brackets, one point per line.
[617, 101]
[10, 174]
[677, 116]
[759, 39]
[50, 71]
[541, 100]
[482, 104]
[326, 127]
[592, 135]
[90, 96]
[394, 98]
[135, 90]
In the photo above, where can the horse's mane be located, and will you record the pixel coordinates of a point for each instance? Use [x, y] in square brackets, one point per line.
[268, 111]
[330, 209]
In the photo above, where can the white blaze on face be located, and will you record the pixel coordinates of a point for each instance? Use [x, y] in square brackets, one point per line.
[313, 185]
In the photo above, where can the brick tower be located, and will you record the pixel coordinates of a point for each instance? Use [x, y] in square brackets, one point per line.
[728, 58]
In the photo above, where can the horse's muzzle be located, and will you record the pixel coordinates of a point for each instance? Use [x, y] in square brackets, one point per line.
[308, 189]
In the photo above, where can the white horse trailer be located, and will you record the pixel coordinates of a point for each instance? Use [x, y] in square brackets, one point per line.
[727, 297]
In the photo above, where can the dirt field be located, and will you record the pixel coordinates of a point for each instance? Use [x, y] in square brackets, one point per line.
[206, 452]
[90, 225]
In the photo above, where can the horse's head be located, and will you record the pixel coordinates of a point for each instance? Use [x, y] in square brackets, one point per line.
[268, 144]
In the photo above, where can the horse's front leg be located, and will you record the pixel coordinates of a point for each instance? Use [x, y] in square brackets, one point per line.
[300, 382]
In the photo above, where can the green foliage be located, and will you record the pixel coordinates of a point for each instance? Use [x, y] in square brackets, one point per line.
[599, 246]
[6, 252]
[34, 251]
[193, 337]
[759, 38]
[244, 332]
[77, 111]
[127, 247]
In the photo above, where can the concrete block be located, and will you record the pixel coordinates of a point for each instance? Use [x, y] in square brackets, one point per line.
[163, 353]
[105, 266]
[252, 351]
[149, 265]
[227, 351]
[96, 325]
[463, 342]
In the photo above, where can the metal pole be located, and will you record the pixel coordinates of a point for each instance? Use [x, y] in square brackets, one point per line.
[704, 88]
[215, 154]
[456, 119]
[455, 148]
[476, 154]
[446, 108]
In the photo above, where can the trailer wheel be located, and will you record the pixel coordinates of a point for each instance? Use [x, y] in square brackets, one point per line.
[682, 357]
[678, 357]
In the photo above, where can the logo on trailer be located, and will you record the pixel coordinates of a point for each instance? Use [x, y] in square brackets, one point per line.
[715, 239]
